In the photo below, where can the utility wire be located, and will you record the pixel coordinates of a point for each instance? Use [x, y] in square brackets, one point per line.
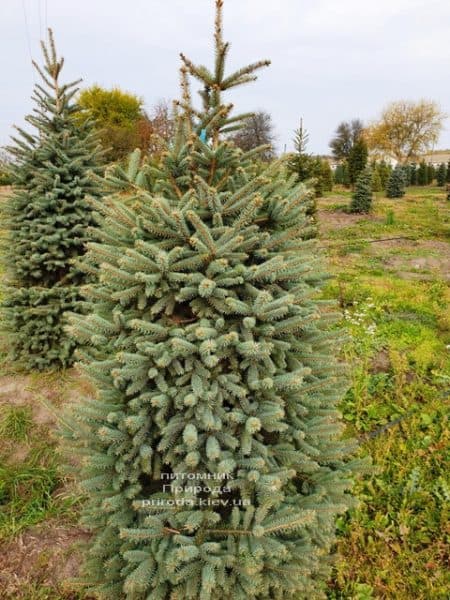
[40, 19]
[27, 31]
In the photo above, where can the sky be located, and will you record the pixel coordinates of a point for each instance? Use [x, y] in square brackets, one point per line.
[332, 60]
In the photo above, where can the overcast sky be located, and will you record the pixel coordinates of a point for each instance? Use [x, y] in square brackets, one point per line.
[332, 60]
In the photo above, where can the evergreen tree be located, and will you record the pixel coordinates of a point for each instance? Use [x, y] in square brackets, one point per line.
[377, 185]
[422, 174]
[213, 462]
[448, 172]
[441, 175]
[309, 169]
[413, 178]
[338, 175]
[47, 219]
[431, 174]
[396, 185]
[5, 168]
[326, 175]
[363, 194]
[357, 159]
[407, 174]
[317, 181]
[384, 170]
[345, 174]
[301, 161]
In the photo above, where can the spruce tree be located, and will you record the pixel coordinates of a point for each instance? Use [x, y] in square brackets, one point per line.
[301, 161]
[214, 467]
[363, 194]
[377, 185]
[338, 175]
[431, 174]
[413, 178]
[46, 220]
[441, 175]
[308, 168]
[448, 172]
[396, 185]
[345, 174]
[326, 176]
[357, 159]
[422, 176]
[407, 174]
[384, 171]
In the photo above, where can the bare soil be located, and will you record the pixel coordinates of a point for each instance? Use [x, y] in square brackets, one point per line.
[48, 554]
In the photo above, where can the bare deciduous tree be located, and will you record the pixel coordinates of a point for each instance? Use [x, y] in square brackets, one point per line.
[159, 127]
[257, 131]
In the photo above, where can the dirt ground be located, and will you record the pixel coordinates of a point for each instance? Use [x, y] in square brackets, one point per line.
[408, 258]
[46, 555]
[49, 553]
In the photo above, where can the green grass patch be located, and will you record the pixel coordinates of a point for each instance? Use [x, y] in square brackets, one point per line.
[30, 491]
[15, 422]
[395, 545]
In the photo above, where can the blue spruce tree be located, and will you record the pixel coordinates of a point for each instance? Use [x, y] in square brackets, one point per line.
[441, 175]
[46, 221]
[395, 187]
[213, 460]
[362, 196]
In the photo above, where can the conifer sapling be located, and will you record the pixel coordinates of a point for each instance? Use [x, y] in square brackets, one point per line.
[441, 175]
[213, 460]
[396, 183]
[47, 217]
[363, 194]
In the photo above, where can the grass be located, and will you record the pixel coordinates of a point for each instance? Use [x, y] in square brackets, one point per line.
[395, 544]
[394, 297]
[15, 423]
[32, 487]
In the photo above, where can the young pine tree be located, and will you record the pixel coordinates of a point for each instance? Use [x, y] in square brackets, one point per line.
[431, 174]
[214, 466]
[363, 194]
[448, 172]
[441, 175]
[46, 221]
[396, 184]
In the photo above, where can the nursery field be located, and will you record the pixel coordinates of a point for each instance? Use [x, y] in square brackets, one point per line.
[391, 271]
